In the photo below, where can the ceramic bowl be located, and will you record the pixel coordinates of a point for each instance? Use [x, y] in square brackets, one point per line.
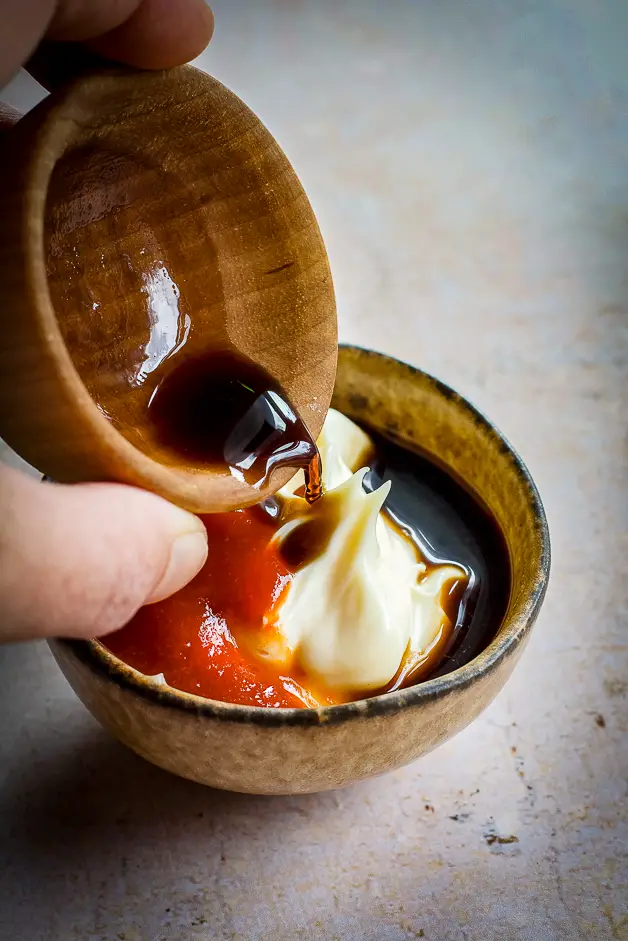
[288, 751]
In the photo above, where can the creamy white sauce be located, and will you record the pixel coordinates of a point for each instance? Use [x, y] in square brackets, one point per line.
[350, 616]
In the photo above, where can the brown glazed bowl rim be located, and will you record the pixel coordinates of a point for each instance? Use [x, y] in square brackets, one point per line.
[512, 633]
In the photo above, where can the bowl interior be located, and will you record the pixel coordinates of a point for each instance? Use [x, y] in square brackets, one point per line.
[418, 411]
[175, 225]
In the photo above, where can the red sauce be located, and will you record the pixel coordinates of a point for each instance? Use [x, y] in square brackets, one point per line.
[198, 637]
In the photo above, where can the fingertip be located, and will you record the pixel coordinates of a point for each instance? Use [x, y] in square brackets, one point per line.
[187, 557]
[153, 34]
[159, 35]
[79, 561]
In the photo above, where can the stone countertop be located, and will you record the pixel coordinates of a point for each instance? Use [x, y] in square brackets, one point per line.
[469, 166]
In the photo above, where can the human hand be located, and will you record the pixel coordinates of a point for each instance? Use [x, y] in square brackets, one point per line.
[79, 561]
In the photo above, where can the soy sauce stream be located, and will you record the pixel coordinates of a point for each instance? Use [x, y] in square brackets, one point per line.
[221, 410]
[314, 479]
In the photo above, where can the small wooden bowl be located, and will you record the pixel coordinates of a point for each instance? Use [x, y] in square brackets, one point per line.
[289, 751]
[148, 217]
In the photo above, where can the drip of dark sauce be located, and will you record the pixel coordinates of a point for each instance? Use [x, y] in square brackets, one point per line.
[309, 540]
[448, 524]
[313, 473]
[221, 410]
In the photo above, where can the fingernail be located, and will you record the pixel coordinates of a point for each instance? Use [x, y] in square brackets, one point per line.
[187, 558]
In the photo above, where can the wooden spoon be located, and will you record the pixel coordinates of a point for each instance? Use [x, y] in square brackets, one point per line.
[147, 217]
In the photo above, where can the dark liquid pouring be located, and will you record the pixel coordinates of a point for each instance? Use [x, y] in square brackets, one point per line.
[220, 409]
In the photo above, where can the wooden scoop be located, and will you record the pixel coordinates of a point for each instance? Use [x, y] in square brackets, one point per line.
[145, 218]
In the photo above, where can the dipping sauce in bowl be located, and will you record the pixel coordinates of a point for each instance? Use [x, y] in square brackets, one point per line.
[428, 440]
[231, 636]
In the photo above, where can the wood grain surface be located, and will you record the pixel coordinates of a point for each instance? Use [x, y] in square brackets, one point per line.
[148, 218]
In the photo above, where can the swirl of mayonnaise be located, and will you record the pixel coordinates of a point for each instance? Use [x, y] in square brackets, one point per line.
[351, 615]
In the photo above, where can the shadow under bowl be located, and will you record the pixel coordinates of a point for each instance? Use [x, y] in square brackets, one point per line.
[289, 751]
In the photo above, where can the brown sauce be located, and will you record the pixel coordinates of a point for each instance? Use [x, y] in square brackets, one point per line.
[447, 524]
[313, 478]
[309, 540]
[223, 410]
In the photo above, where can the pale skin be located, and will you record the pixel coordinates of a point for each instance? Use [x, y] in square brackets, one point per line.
[79, 561]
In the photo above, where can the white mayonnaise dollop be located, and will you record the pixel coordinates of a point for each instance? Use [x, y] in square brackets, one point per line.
[350, 615]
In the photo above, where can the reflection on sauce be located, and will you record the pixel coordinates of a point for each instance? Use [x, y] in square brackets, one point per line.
[202, 638]
[222, 410]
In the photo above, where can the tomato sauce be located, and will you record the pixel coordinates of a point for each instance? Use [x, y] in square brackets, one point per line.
[198, 637]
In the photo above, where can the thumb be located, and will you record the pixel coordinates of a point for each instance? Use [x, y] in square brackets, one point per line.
[79, 561]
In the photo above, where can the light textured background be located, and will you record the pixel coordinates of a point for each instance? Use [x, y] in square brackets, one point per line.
[469, 165]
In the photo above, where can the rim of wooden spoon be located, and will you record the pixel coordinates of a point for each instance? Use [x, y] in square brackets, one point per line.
[46, 412]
